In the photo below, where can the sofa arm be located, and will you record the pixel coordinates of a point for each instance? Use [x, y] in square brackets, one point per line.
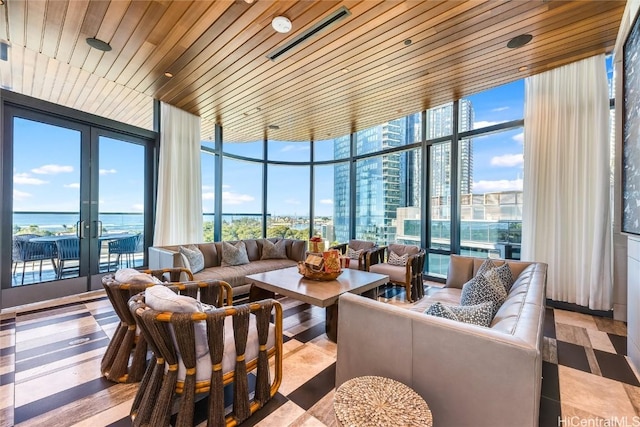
[469, 375]
[160, 258]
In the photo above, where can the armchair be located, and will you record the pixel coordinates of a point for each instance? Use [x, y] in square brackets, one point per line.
[358, 251]
[198, 352]
[404, 268]
[117, 365]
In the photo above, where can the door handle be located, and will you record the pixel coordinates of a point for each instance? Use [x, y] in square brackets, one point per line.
[80, 229]
[98, 228]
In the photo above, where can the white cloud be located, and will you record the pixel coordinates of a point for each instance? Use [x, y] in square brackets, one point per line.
[483, 124]
[138, 207]
[326, 201]
[507, 160]
[107, 171]
[500, 109]
[52, 169]
[519, 137]
[25, 178]
[72, 185]
[226, 186]
[498, 185]
[207, 188]
[292, 201]
[208, 196]
[295, 147]
[235, 198]
[20, 195]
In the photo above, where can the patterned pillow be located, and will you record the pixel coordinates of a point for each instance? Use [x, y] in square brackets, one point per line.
[480, 289]
[234, 254]
[354, 254]
[395, 259]
[505, 275]
[486, 266]
[479, 314]
[193, 256]
[272, 250]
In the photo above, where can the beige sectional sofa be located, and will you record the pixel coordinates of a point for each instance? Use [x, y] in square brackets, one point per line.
[469, 375]
[170, 256]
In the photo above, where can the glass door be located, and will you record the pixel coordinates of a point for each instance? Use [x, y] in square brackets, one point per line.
[79, 196]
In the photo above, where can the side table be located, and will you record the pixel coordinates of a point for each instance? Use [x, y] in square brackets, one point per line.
[378, 401]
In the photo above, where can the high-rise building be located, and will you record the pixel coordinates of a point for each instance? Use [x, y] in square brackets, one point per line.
[383, 183]
[440, 123]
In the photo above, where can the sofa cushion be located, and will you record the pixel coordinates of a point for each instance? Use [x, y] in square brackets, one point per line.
[395, 259]
[396, 273]
[460, 271]
[193, 258]
[253, 251]
[234, 254]
[480, 289]
[480, 314]
[236, 275]
[272, 250]
[210, 253]
[404, 249]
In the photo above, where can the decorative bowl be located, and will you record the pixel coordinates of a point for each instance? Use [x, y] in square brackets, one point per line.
[307, 273]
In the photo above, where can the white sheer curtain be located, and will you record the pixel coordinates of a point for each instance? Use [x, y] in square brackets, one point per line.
[179, 207]
[566, 220]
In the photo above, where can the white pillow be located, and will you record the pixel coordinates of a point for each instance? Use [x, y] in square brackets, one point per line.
[132, 276]
[193, 257]
[161, 298]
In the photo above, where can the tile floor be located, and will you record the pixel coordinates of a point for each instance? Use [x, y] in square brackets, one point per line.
[50, 368]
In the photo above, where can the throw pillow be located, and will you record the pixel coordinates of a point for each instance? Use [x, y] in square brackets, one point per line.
[395, 259]
[354, 254]
[505, 275]
[234, 254]
[134, 277]
[193, 256]
[479, 314]
[480, 289]
[272, 250]
[161, 298]
[486, 266]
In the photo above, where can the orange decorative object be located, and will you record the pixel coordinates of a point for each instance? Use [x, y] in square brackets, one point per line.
[331, 261]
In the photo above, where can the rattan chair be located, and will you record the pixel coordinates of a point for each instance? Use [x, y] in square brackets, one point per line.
[124, 248]
[68, 249]
[408, 275]
[237, 340]
[125, 359]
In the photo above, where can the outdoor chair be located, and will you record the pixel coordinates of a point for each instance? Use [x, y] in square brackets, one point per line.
[403, 264]
[24, 251]
[201, 352]
[68, 250]
[118, 363]
[126, 247]
[358, 251]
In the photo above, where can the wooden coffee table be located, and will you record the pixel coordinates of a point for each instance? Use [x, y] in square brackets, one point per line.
[290, 283]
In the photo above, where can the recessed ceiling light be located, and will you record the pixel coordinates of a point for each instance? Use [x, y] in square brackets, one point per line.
[523, 68]
[98, 44]
[281, 24]
[168, 74]
[274, 127]
[345, 70]
[519, 41]
[407, 42]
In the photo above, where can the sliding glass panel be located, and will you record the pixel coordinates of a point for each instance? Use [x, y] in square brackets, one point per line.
[46, 201]
[491, 211]
[241, 200]
[439, 121]
[288, 202]
[121, 204]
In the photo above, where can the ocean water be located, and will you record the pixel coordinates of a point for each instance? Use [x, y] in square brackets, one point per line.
[57, 222]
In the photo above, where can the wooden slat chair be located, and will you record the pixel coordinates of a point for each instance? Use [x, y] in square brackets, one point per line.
[231, 341]
[364, 246]
[408, 275]
[125, 359]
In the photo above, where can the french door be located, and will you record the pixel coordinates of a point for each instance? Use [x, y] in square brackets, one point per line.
[81, 204]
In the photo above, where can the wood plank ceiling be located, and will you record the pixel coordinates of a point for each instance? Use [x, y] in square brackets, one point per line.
[359, 72]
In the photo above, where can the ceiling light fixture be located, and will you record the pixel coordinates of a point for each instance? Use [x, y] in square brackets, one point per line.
[274, 127]
[98, 44]
[281, 24]
[168, 74]
[519, 41]
[407, 42]
[345, 70]
[523, 68]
